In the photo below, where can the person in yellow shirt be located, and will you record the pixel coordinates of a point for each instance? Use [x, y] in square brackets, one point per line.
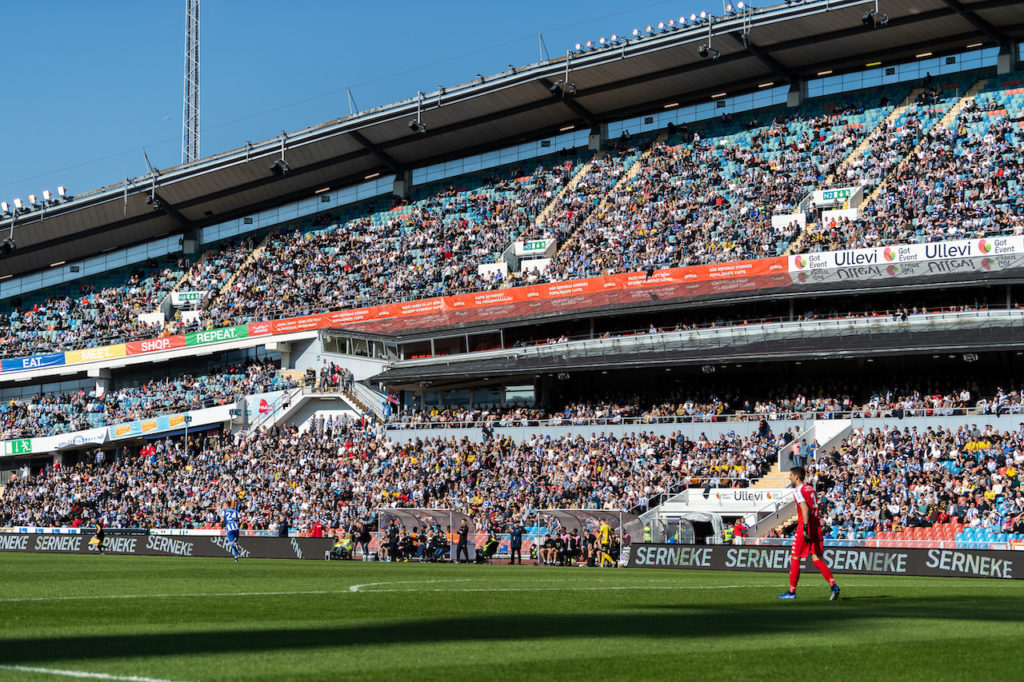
[604, 535]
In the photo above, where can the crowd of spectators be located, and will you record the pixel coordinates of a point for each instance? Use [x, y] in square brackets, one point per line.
[944, 182]
[429, 247]
[702, 196]
[95, 316]
[209, 275]
[341, 473]
[889, 479]
[736, 404]
[712, 199]
[54, 413]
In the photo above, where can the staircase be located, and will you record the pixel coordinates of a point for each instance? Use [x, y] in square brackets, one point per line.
[292, 402]
[165, 304]
[580, 173]
[256, 253]
[866, 142]
[184, 278]
[775, 478]
[948, 118]
[630, 173]
[955, 110]
[797, 244]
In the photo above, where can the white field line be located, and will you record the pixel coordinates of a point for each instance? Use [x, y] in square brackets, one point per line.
[80, 674]
[183, 595]
[359, 589]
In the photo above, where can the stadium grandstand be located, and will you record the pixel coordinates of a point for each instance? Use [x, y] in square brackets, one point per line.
[639, 277]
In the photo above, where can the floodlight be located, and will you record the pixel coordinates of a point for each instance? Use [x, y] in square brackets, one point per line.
[32, 199]
[636, 32]
[279, 168]
[47, 197]
[579, 46]
[5, 207]
[601, 40]
[62, 192]
[7, 247]
[615, 38]
[661, 25]
[649, 28]
[18, 205]
[693, 17]
[740, 6]
[703, 15]
[728, 8]
[703, 51]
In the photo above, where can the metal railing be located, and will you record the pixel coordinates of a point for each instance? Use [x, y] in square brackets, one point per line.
[806, 415]
[369, 398]
[283, 402]
[758, 335]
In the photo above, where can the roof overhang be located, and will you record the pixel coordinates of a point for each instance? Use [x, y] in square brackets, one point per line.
[777, 45]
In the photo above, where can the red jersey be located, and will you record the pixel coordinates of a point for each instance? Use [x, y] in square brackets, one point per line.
[805, 493]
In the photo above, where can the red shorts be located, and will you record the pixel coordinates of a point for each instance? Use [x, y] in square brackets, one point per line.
[802, 550]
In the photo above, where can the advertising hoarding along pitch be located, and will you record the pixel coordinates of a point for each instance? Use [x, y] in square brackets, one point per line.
[954, 563]
[137, 544]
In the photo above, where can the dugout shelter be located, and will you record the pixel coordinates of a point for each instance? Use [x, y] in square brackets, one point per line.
[624, 524]
[418, 517]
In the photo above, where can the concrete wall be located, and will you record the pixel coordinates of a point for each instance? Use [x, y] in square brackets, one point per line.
[362, 368]
[711, 429]
[692, 431]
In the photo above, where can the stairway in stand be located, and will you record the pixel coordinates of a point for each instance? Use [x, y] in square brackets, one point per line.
[580, 173]
[630, 173]
[948, 118]
[797, 244]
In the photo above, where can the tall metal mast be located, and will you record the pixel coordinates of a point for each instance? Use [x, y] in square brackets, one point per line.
[190, 108]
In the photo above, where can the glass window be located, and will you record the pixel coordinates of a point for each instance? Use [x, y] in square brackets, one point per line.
[520, 394]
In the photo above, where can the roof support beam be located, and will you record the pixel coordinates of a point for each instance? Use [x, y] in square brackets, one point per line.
[168, 208]
[763, 57]
[382, 155]
[565, 98]
[977, 22]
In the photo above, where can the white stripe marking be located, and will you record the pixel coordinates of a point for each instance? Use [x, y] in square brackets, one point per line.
[359, 589]
[183, 595]
[78, 673]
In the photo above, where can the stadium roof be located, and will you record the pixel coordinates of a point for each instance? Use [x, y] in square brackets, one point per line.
[781, 45]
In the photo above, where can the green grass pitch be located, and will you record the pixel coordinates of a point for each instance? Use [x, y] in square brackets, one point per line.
[211, 619]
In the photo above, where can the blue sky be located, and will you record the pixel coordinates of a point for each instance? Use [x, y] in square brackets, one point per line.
[90, 84]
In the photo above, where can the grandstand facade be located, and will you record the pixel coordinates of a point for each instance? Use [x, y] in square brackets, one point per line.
[695, 256]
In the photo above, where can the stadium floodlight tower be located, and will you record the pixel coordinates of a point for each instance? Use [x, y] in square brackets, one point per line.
[190, 106]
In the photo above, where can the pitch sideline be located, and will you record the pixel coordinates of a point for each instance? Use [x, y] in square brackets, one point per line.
[80, 674]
